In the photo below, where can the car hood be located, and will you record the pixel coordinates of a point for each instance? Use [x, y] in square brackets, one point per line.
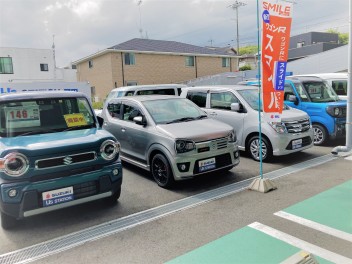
[198, 130]
[55, 143]
[293, 114]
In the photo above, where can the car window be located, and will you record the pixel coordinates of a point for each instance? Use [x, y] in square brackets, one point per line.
[301, 92]
[166, 111]
[114, 109]
[320, 92]
[130, 112]
[288, 91]
[129, 93]
[340, 87]
[47, 115]
[166, 91]
[199, 98]
[222, 100]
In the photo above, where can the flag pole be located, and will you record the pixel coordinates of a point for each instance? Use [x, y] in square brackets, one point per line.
[260, 184]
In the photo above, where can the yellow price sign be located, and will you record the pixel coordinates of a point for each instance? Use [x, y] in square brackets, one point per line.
[73, 120]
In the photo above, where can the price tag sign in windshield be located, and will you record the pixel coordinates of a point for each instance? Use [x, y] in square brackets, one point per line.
[22, 116]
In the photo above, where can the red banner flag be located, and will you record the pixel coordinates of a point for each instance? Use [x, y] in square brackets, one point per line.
[276, 26]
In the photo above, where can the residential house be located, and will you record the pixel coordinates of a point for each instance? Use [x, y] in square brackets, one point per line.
[145, 61]
[311, 43]
[31, 65]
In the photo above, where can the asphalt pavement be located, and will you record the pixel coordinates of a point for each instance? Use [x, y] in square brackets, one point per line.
[310, 210]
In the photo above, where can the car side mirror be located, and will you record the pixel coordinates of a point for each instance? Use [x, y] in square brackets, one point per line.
[100, 121]
[140, 120]
[235, 107]
[293, 98]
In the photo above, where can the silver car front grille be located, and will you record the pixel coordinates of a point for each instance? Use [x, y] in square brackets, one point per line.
[297, 126]
[220, 143]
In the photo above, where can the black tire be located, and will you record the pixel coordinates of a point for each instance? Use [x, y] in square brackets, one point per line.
[161, 171]
[253, 149]
[7, 222]
[112, 200]
[320, 134]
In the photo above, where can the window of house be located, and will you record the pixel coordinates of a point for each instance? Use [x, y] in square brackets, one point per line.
[190, 61]
[130, 59]
[6, 65]
[90, 64]
[44, 67]
[225, 62]
[131, 83]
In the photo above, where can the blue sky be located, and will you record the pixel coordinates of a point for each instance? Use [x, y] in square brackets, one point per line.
[83, 27]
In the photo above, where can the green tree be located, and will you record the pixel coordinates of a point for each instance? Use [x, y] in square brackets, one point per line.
[245, 68]
[343, 37]
[249, 50]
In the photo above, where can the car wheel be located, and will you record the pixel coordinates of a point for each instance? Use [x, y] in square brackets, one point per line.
[254, 148]
[7, 222]
[320, 134]
[112, 200]
[161, 171]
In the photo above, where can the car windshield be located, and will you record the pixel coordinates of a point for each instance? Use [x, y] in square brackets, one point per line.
[173, 110]
[320, 92]
[47, 115]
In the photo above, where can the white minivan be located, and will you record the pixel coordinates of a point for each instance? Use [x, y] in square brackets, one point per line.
[338, 81]
[164, 89]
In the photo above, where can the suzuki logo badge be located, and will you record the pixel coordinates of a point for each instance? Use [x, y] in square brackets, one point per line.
[67, 160]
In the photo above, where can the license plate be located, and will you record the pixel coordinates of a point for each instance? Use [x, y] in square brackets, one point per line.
[207, 164]
[58, 196]
[296, 143]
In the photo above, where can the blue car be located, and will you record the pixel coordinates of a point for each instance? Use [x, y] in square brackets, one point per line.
[53, 154]
[314, 96]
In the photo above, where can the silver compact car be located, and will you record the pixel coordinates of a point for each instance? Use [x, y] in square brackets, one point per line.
[170, 136]
[238, 106]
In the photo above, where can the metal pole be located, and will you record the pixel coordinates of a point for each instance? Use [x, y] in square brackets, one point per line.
[259, 99]
[348, 146]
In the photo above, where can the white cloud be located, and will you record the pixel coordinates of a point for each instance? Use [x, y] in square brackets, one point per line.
[81, 27]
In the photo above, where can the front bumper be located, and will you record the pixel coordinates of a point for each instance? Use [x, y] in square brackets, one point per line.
[340, 129]
[87, 187]
[284, 144]
[225, 158]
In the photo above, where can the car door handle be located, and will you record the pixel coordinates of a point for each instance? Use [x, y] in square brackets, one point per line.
[213, 114]
[123, 129]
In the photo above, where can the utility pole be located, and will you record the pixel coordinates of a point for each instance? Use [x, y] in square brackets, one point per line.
[140, 18]
[54, 58]
[235, 6]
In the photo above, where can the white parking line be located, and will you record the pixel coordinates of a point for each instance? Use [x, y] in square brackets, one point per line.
[301, 244]
[323, 228]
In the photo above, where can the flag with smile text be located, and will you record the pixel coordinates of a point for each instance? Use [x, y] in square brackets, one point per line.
[276, 26]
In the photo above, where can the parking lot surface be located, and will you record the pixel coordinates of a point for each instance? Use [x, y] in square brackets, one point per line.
[171, 225]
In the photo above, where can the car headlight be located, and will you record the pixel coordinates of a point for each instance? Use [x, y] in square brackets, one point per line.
[278, 127]
[232, 137]
[109, 149]
[335, 111]
[14, 164]
[182, 146]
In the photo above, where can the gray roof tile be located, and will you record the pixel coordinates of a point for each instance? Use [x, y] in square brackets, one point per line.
[151, 45]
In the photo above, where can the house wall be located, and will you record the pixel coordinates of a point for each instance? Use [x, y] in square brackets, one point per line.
[109, 72]
[99, 76]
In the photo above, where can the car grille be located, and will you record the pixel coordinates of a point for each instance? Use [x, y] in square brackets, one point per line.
[297, 126]
[65, 160]
[305, 142]
[220, 143]
[85, 189]
[221, 161]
